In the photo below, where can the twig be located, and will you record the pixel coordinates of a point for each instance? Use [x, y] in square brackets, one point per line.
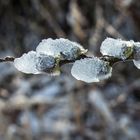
[110, 59]
[7, 59]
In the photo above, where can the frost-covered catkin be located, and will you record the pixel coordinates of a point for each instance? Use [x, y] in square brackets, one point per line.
[51, 53]
[63, 48]
[117, 48]
[48, 55]
[33, 63]
[136, 54]
[91, 70]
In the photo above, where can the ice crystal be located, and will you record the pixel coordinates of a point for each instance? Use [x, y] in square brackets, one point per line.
[65, 48]
[91, 70]
[117, 48]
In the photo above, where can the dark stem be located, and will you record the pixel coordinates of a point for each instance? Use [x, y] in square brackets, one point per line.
[7, 59]
[110, 59]
[63, 62]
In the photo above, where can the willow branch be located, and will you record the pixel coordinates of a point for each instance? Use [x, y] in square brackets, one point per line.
[110, 59]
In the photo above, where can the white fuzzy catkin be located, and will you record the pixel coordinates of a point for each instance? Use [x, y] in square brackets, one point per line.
[91, 70]
[33, 63]
[47, 56]
[27, 63]
[50, 52]
[60, 47]
[117, 48]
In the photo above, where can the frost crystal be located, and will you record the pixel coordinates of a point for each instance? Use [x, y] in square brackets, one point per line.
[91, 70]
[136, 55]
[65, 48]
[117, 48]
[27, 63]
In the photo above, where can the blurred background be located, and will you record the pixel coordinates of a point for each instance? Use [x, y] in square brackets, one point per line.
[39, 107]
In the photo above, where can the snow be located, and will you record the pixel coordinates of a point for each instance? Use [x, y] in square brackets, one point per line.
[91, 70]
[60, 47]
[117, 48]
[27, 63]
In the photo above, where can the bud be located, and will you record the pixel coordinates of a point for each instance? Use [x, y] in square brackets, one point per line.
[63, 48]
[117, 48]
[72, 55]
[91, 70]
[33, 63]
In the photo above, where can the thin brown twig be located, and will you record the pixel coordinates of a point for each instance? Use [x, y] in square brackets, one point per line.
[7, 59]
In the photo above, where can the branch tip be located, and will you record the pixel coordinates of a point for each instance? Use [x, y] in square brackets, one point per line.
[7, 59]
